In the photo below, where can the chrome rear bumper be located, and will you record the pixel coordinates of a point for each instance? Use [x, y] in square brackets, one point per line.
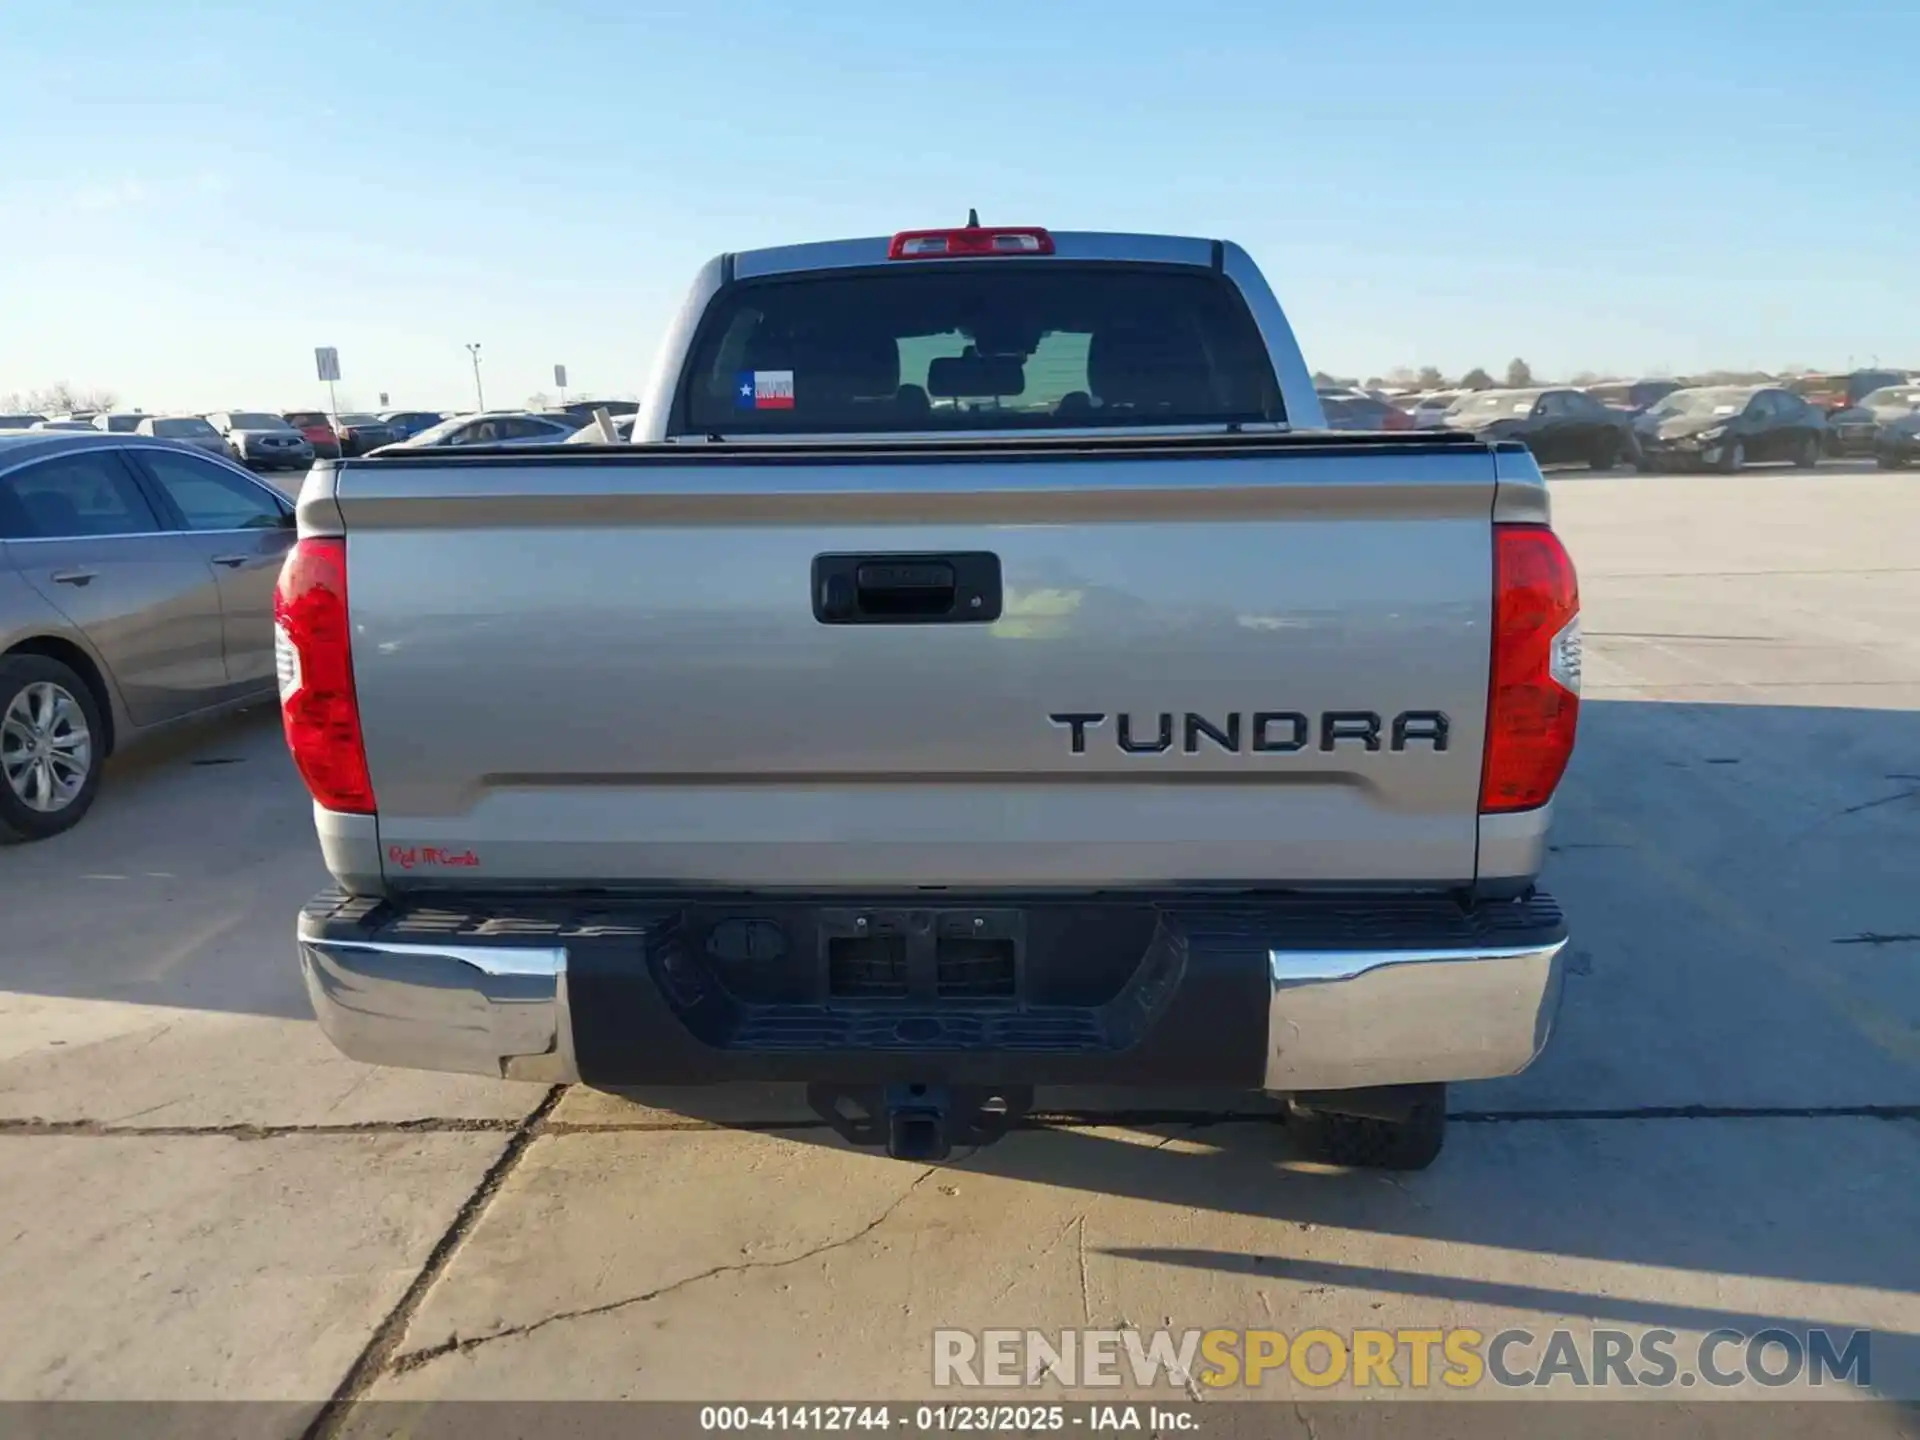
[1336, 1018]
[1341, 1020]
[479, 1010]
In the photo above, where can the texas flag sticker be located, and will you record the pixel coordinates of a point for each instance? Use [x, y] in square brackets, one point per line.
[763, 390]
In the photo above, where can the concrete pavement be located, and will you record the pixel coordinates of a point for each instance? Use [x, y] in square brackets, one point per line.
[198, 1198]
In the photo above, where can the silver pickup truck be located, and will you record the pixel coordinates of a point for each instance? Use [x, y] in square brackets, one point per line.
[982, 671]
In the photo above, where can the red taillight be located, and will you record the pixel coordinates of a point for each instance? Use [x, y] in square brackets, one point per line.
[1533, 699]
[970, 240]
[314, 657]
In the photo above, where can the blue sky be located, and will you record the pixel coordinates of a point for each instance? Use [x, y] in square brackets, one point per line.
[196, 194]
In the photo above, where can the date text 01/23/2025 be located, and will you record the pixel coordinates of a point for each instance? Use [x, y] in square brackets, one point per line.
[977, 1419]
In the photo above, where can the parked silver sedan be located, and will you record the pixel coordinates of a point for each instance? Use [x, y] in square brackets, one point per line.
[261, 440]
[194, 430]
[493, 427]
[136, 594]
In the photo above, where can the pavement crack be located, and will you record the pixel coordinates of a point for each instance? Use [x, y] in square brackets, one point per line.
[1080, 1245]
[351, 1091]
[35, 1126]
[1693, 1112]
[402, 1364]
[387, 1337]
[1022, 1273]
[1883, 800]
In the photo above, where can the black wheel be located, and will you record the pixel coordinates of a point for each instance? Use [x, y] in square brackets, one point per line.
[1368, 1143]
[1606, 454]
[1644, 465]
[1807, 454]
[1887, 460]
[1733, 459]
[51, 747]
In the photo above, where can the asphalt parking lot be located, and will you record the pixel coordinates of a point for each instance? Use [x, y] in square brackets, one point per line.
[200, 1199]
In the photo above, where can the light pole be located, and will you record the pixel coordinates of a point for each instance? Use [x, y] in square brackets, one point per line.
[479, 395]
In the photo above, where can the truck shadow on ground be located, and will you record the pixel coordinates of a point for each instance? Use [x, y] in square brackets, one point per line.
[1618, 1223]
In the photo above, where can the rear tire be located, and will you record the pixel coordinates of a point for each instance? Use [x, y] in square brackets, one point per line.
[1888, 462]
[1808, 455]
[1605, 455]
[1733, 459]
[1363, 1142]
[49, 773]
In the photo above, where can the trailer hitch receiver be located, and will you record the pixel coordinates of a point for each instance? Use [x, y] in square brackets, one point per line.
[920, 1122]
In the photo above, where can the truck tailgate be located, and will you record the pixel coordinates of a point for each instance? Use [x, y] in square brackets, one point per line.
[607, 669]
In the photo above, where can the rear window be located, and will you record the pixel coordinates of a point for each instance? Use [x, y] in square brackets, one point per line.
[990, 346]
[306, 419]
[177, 429]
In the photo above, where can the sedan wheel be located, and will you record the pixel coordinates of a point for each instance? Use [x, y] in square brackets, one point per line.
[1808, 454]
[1733, 459]
[49, 756]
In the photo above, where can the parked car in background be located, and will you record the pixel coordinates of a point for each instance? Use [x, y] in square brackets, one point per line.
[1560, 426]
[1862, 383]
[19, 422]
[1363, 412]
[495, 427]
[1898, 443]
[316, 428]
[1630, 397]
[261, 440]
[136, 593]
[1857, 429]
[1891, 402]
[1429, 411]
[194, 430]
[589, 434]
[360, 433]
[119, 422]
[1729, 427]
[1852, 431]
[1838, 392]
[582, 410]
[405, 424]
[1889, 405]
[62, 423]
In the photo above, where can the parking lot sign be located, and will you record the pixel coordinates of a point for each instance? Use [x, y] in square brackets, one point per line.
[560, 376]
[326, 360]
